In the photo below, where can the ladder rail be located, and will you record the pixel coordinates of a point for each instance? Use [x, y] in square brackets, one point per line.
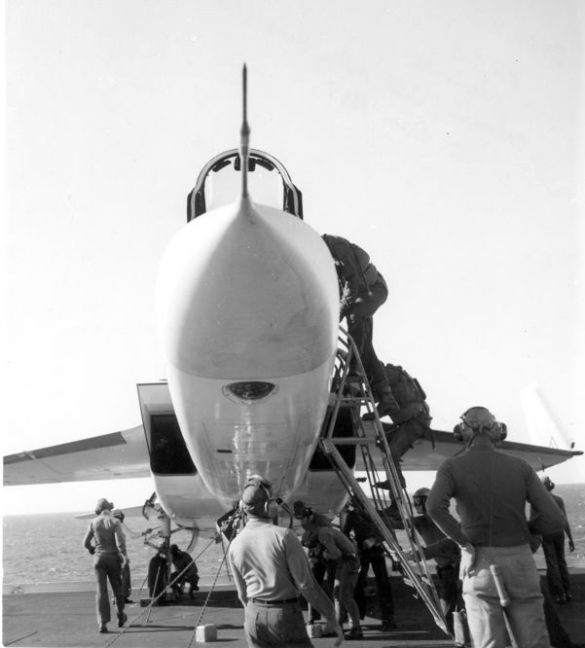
[428, 595]
[348, 359]
[400, 495]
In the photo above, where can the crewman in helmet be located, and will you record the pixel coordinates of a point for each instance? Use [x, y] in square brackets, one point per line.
[354, 521]
[185, 571]
[337, 547]
[270, 571]
[553, 546]
[126, 577]
[363, 290]
[323, 568]
[491, 489]
[105, 541]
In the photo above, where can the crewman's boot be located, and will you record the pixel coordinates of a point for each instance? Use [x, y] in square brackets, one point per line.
[354, 634]
[386, 405]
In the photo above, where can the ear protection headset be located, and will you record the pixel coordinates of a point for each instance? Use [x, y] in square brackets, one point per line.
[478, 420]
[262, 503]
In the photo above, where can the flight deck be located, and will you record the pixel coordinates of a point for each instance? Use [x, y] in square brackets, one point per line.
[65, 616]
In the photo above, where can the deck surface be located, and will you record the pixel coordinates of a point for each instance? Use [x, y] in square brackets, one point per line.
[65, 616]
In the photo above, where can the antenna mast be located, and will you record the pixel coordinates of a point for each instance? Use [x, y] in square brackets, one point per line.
[244, 134]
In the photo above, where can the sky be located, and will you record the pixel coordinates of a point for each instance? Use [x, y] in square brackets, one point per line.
[445, 138]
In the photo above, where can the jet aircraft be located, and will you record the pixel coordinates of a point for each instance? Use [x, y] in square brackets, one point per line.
[248, 308]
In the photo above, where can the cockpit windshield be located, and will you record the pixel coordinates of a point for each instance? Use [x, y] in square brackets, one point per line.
[220, 183]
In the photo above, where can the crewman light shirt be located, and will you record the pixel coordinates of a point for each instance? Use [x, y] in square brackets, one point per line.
[107, 534]
[269, 563]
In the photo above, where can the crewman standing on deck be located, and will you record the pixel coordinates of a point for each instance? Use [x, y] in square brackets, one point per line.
[491, 489]
[553, 546]
[358, 523]
[104, 540]
[270, 571]
[446, 554]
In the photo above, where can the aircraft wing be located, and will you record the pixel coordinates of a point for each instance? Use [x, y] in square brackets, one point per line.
[119, 455]
[124, 455]
[424, 457]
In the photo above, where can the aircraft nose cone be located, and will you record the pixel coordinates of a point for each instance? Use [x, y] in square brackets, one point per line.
[239, 288]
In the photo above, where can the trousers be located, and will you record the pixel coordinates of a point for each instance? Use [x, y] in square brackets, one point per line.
[346, 577]
[267, 626]
[402, 439]
[126, 581]
[360, 325]
[376, 558]
[449, 592]
[525, 613]
[108, 566]
[324, 573]
[557, 572]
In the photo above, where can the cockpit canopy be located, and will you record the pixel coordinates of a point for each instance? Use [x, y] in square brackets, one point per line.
[220, 181]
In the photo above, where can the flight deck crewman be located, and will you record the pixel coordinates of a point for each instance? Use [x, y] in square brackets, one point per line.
[371, 552]
[105, 540]
[128, 533]
[338, 547]
[363, 290]
[491, 489]
[323, 568]
[270, 571]
[553, 546]
[445, 552]
[186, 571]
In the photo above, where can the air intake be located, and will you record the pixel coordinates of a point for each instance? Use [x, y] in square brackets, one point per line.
[249, 392]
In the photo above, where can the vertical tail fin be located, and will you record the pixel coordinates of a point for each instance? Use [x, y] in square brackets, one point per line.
[542, 427]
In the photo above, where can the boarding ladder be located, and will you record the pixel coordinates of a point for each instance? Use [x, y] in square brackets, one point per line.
[350, 388]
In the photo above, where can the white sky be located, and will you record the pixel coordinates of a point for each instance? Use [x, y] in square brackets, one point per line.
[446, 138]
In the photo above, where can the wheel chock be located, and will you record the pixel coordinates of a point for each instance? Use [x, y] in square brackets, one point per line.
[204, 633]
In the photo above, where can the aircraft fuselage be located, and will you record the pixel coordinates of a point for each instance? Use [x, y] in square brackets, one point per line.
[248, 309]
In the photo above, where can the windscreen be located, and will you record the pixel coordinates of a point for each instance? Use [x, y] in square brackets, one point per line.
[224, 186]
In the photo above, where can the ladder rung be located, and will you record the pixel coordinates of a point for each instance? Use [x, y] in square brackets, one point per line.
[352, 400]
[352, 441]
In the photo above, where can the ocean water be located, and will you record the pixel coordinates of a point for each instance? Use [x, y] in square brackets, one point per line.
[48, 548]
[39, 549]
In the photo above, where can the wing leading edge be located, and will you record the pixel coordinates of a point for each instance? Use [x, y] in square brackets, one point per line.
[424, 457]
[124, 455]
[119, 455]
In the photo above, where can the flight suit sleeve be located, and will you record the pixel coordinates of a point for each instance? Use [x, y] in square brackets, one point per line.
[547, 518]
[347, 272]
[438, 506]
[561, 503]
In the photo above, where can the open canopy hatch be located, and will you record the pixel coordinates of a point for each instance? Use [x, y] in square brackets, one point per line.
[220, 180]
